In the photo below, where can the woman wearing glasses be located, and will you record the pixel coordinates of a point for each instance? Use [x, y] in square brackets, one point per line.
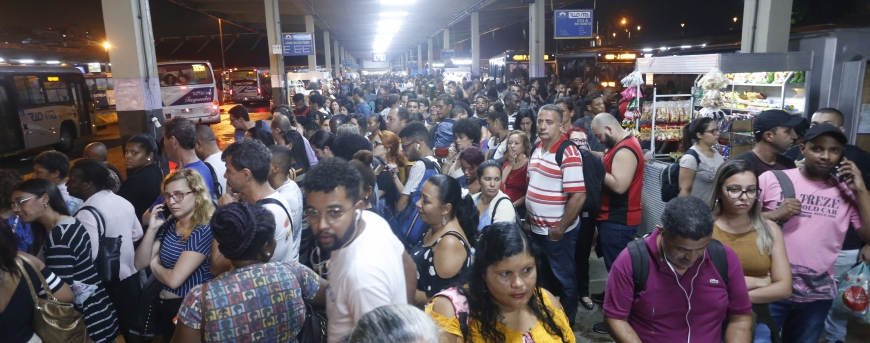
[699, 164]
[757, 241]
[67, 252]
[178, 242]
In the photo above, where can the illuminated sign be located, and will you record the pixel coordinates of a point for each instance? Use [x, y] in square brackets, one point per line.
[199, 71]
[94, 68]
[622, 56]
[608, 84]
[53, 79]
[523, 58]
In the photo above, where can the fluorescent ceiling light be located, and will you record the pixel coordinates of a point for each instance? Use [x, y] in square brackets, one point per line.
[685, 46]
[663, 48]
[704, 45]
[25, 61]
[393, 14]
[52, 62]
[647, 49]
[1, 60]
[397, 2]
[462, 62]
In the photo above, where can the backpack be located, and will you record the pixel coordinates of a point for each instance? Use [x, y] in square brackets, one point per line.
[411, 229]
[669, 178]
[639, 254]
[787, 188]
[271, 201]
[593, 176]
[517, 219]
[217, 190]
[108, 261]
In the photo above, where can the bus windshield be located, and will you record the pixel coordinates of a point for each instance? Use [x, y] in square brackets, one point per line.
[244, 75]
[179, 74]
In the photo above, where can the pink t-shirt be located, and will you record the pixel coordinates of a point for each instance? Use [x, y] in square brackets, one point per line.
[814, 238]
[660, 312]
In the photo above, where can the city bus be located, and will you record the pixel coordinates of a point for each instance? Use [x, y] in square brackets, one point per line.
[249, 85]
[102, 89]
[512, 64]
[188, 90]
[597, 65]
[43, 106]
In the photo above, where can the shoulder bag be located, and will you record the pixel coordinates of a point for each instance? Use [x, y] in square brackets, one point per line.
[54, 321]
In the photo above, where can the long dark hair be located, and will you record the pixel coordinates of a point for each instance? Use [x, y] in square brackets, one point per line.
[300, 155]
[691, 131]
[8, 249]
[496, 243]
[450, 192]
[40, 187]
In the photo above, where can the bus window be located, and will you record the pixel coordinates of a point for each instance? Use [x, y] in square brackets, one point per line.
[56, 91]
[178, 74]
[29, 91]
[102, 84]
[111, 84]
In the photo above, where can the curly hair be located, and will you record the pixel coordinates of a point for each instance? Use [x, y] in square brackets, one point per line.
[394, 155]
[469, 127]
[527, 144]
[332, 173]
[497, 242]
[53, 161]
[203, 207]
[242, 229]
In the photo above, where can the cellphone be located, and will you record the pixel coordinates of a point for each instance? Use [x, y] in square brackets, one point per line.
[165, 211]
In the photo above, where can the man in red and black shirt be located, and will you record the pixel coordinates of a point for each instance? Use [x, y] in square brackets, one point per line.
[619, 217]
[301, 111]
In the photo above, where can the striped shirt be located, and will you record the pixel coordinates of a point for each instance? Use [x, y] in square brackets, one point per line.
[171, 248]
[68, 255]
[550, 185]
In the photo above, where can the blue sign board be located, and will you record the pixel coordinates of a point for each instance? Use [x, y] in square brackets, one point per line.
[573, 24]
[448, 54]
[346, 63]
[298, 44]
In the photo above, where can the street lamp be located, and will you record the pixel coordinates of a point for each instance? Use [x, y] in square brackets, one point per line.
[638, 27]
[735, 19]
[682, 25]
[624, 21]
[106, 45]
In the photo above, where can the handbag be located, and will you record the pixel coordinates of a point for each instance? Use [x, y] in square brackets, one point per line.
[108, 262]
[143, 322]
[314, 327]
[53, 320]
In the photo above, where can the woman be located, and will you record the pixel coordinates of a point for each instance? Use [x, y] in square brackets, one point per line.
[394, 323]
[176, 246]
[374, 125]
[379, 106]
[16, 301]
[245, 234]
[526, 121]
[503, 302]
[493, 205]
[391, 171]
[466, 133]
[579, 137]
[452, 220]
[303, 159]
[698, 166]
[758, 242]
[469, 159]
[515, 169]
[67, 252]
[144, 175]
[23, 238]
[321, 143]
[532, 97]
[362, 162]
[335, 107]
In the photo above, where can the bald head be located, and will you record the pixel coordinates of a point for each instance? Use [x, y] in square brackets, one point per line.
[206, 143]
[605, 119]
[282, 123]
[205, 134]
[96, 151]
[607, 130]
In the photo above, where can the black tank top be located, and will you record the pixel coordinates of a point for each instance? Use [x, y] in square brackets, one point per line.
[427, 277]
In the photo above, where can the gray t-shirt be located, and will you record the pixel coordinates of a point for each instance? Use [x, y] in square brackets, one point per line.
[705, 174]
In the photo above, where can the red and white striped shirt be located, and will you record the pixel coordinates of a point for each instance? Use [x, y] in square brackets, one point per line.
[550, 185]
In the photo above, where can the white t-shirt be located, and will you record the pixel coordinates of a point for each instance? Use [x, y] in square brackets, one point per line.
[287, 247]
[290, 190]
[500, 147]
[220, 168]
[365, 275]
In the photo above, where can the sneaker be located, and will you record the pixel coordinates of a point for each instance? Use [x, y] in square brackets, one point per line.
[600, 328]
[597, 297]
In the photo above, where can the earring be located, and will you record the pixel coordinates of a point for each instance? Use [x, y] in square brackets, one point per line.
[443, 220]
[45, 205]
[149, 160]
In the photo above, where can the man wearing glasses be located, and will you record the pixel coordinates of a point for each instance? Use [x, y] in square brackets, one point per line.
[368, 266]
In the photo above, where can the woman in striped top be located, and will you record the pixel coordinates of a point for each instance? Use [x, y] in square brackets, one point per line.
[67, 252]
[177, 249]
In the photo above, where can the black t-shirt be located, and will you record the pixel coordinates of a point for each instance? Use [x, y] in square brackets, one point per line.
[386, 184]
[782, 163]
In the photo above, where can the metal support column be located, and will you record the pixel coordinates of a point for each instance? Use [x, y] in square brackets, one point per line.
[337, 60]
[536, 40]
[446, 39]
[431, 59]
[765, 26]
[327, 54]
[475, 44]
[419, 58]
[309, 28]
[276, 62]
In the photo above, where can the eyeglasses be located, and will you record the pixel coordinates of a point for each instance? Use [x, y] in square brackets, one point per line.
[19, 203]
[713, 131]
[579, 141]
[376, 144]
[737, 193]
[405, 147]
[332, 215]
[177, 196]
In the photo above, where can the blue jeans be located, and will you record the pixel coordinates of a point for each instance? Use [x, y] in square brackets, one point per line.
[614, 238]
[800, 322]
[560, 256]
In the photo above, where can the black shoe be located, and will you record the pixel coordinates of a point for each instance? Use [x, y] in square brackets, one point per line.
[597, 297]
[600, 328]
[587, 305]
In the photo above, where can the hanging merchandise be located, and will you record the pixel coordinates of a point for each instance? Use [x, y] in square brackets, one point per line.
[713, 100]
[632, 83]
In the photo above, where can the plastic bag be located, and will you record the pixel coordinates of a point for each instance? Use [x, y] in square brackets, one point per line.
[82, 292]
[852, 293]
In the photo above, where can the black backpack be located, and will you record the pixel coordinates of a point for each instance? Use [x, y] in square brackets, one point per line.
[108, 262]
[669, 178]
[593, 176]
[639, 254]
[217, 190]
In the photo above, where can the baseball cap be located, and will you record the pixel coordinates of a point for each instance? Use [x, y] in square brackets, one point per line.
[825, 129]
[767, 120]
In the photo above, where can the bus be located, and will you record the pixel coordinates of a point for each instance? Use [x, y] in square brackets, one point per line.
[102, 89]
[43, 106]
[250, 85]
[188, 90]
[600, 65]
[512, 64]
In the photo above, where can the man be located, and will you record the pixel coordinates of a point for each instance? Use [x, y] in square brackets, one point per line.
[481, 108]
[368, 266]
[442, 131]
[512, 103]
[684, 298]
[814, 234]
[97, 151]
[281, 163]
[403, 102]
[392, 102]
[413, 106]
[54, 166]
[89, 180]
[301, 109]
[496, 123]
[179, 144]
[241, 120]
[774, 134]
[361, 105]
[397, 119]
[851, 251]
[555, 195]
[317, 101]
[594, 104]
[208, 151]
[336, 121]
[558, 89]
[620, 212]
[416, 144]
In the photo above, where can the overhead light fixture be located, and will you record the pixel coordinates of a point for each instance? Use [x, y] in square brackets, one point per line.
[397, 2]
[393, 14]
[2, 60]
[704, 45]
[462, 62]
[647, 49]
[685, 46]
[52, 62]
[25, 61]
[663, 48]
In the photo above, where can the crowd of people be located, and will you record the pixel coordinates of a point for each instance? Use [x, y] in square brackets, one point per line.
[418, 209]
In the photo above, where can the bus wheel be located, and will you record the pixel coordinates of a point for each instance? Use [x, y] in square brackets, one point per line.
[66, 139]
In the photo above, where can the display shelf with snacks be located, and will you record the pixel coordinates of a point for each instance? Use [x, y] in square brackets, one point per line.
[756, 92]
[662, 120]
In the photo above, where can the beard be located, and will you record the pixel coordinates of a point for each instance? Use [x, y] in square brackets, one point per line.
[609, 141]
[338, 243]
